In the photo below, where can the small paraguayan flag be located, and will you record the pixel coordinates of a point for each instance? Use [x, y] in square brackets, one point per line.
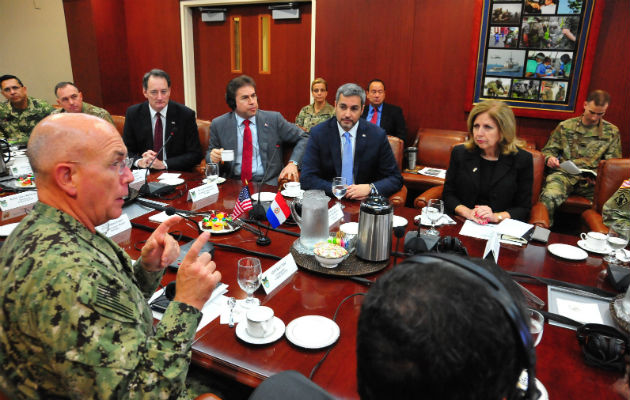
[278, 211]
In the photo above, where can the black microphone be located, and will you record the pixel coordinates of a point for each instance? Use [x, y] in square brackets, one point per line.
[258, 211]
[157, 188]
[169, 210]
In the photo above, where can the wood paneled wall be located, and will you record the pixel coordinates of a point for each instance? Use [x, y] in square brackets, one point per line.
[420, 49]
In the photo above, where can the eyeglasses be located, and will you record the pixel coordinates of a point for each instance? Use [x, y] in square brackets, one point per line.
[120, 165]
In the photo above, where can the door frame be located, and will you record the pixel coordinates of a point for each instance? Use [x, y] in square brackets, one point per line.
[188, 45]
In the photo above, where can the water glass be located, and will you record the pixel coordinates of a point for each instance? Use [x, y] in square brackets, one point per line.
[248, 277]
[536, 326]
[212, 172]
[339, 188]
[434, 211]
[618, 236]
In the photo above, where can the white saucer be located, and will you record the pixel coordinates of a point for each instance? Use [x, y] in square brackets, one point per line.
[312, 332]
[172, 181]
[218, 181]
[278, 331]
[605, 250]
[399, 221]
[567, 252]
[264, 196]
[285, 193]
[350, 228]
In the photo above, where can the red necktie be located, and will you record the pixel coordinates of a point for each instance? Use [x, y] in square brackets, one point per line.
[374, 119]
[157, 136]
[246, 161]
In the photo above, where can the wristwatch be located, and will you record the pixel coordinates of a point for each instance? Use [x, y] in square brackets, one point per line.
[294, 163]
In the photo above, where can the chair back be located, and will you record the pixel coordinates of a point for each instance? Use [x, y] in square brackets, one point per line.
[538, 159]
[434, 146]
[610, 174]
[398, 147]
[203, 128]
[119, 122]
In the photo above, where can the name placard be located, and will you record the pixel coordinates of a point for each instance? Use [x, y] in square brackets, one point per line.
[335, 213]
[115, 226]
[16, 212]
[18, 200]
[139, 176]
[203, 191]
[21, 169]
[278, 273]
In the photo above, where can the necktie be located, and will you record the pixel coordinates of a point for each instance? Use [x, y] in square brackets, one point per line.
[246, 161]
[346, 161]
[157, 135]
[374, 119]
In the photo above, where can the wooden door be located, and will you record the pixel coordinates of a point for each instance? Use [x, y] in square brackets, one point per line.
[285, 87]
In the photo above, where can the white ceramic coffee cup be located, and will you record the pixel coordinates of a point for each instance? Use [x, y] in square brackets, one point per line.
[292, 188]
[594, 240]
[260, 321]
[227, 155]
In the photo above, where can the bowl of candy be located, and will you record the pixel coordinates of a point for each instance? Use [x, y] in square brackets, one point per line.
[329, 255]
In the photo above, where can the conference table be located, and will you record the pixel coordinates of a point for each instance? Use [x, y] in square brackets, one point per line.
[560, 366]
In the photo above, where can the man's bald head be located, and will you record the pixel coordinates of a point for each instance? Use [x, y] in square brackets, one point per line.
[66, 137]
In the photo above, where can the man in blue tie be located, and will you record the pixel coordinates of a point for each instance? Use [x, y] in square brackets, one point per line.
[349, 146]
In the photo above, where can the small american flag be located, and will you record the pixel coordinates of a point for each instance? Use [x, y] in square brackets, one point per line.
[243, 204]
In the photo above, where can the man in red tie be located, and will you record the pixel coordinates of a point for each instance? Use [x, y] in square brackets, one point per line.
[387, 116]
[160, 132]
[255, 136]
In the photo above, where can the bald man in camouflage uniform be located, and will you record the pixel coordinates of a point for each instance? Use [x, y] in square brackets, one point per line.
[71, 100]
[617, 208]
[75, 322]
[585, 140]
[20, 113]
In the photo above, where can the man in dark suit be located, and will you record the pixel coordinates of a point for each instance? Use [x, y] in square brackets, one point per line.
[350, 147]
[387, 116]
[257, 134]
[150, 124]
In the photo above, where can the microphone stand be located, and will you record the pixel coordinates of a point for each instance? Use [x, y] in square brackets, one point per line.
[258, 210]
[156, 188]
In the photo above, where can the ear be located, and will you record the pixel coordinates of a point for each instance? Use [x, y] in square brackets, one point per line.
[65, 176]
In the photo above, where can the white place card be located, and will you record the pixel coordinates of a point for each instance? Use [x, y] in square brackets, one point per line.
[203, 191]
[17, 212]
[493, 246]
[335, 213]
[139, 177]
[21, 169]
[18, 200]
[169, 176]
[278, 273]
[115, 226]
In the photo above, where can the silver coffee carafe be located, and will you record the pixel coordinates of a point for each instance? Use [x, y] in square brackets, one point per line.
[376, 216]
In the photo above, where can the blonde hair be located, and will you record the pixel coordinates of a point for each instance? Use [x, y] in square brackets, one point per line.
[319, 80]
[504, 118]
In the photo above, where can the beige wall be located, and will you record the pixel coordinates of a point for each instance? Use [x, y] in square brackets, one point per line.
[34, 45]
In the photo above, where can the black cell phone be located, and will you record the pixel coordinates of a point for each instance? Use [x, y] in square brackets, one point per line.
[160, 303]
[540, 234]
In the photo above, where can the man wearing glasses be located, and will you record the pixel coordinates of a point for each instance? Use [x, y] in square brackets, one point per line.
[149, 125]
[70, 99]
[387, 116]
[20, 113]
[585, 140]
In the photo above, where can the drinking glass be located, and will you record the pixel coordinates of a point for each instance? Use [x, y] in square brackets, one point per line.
[536, 324]
[249, 279]
[339, 188]
[618, 236]
[212, 172]
[434, 211]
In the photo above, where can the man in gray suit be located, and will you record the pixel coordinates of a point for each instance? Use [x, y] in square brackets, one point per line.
[257, 134]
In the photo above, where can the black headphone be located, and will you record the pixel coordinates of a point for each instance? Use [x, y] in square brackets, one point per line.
[498, 292]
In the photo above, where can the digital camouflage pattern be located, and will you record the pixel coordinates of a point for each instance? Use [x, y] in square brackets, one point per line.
[617, 208]
[92, 110]
[16, 125]
[308, 118]
[75, 322]
[585, 146]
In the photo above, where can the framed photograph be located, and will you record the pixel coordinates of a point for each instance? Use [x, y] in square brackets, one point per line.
[537, 55]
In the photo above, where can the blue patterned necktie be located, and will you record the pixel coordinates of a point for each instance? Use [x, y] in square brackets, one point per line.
[346, 161]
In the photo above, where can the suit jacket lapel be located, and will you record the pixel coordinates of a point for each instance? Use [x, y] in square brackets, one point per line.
[360, 144]
[472, 162]
[171, 117]
[263, 133]
[146, 126]
[334, 141]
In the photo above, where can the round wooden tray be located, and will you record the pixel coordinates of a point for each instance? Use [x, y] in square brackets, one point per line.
[621, 323]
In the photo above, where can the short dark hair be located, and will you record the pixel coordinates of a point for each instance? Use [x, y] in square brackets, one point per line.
[7, 77]
[234, 85]
[600, 97]
[158, 73]
[61, 85]
[367, 89]
[433, 330]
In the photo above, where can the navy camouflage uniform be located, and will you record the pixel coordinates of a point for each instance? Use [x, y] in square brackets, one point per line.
[583, 145]
[75, 322]
[16, 125]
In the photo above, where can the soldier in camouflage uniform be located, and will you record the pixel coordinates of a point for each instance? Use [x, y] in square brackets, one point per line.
[495, 88]
[317, 112]
[75, 322]
[585, 140]
[20, 113]
[617, 208]
[71, 100]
